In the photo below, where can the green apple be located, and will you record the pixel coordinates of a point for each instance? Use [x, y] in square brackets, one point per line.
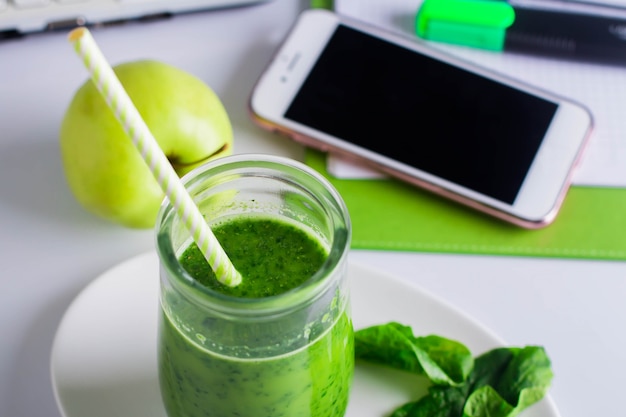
[103, 168]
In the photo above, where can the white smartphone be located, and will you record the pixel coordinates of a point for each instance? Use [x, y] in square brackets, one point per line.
[480, 138]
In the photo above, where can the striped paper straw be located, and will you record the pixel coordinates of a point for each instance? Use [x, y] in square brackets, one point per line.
[117, 99]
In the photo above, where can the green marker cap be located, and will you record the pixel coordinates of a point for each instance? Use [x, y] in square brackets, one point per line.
[476, 23]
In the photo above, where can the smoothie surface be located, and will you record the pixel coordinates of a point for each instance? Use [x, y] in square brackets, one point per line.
[272, 257]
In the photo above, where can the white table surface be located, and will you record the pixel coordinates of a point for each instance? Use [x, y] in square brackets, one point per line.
[50, 248]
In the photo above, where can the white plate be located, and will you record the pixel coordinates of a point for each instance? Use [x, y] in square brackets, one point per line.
[103, 359]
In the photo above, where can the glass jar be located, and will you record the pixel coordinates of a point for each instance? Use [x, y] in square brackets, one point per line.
[289, 354]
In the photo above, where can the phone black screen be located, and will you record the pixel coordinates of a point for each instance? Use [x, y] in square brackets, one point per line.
[423, 112]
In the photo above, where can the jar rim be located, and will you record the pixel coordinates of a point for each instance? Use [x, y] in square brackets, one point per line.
[306, 292]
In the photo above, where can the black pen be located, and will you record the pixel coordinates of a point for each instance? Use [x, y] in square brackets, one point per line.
[498, 25]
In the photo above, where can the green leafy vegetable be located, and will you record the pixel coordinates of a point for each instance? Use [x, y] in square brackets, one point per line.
[442, 360]
[440, 402]
[505, 381]
[499, 383]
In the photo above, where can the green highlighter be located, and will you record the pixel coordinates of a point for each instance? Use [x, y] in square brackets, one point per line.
[498, 25]
[476, 23]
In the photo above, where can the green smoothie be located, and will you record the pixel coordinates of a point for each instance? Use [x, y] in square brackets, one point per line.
[199, 378]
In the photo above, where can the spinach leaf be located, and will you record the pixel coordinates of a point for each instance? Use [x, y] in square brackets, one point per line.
[443, 361]
[499, 383]
[503, 387]
[440, 402]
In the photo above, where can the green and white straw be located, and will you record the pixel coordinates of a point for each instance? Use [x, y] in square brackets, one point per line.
[120, 103]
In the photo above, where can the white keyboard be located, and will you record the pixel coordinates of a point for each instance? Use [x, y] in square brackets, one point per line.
[19, 17]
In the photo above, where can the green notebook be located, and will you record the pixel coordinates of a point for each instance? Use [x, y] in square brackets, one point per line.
[390, 215]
